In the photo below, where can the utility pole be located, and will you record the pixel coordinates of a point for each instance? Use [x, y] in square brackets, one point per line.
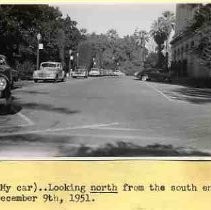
[38, 49]
[70, 60]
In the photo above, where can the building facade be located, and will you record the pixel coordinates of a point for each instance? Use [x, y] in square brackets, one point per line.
[184, 62]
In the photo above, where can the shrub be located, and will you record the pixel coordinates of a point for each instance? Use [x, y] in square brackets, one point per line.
[26, 69]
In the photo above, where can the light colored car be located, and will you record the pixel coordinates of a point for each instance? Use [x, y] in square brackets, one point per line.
[51, 71]
[80, 72]
[118, 73]
[94, 72]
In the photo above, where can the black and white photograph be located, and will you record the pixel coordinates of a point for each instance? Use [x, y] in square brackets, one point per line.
[105, 80]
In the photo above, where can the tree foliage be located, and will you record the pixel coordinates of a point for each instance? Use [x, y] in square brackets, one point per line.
[20, 24]
[201, 27]
[111, 51]
[160, 31]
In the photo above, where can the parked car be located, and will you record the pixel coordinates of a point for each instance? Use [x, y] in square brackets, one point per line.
[154, 74]
[110, 72]
[118, 73]
[5, 81]
[80, 72]
[49, 71]
[94, 72]
[136, 73]
[102, 72]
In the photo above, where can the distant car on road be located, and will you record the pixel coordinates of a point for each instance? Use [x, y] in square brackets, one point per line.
[110, 72]
[118, 73]
[94, 72]
[154, 74]
[5, 81]
[80, 72]
[49, 71]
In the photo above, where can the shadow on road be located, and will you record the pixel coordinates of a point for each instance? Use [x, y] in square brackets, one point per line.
[193, 95]
[10, 110]
[123, 149]
[66, 146]
[34, 92]
[48, 107]
[35, 144]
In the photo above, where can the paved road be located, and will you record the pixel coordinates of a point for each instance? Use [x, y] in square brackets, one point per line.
[51, 119]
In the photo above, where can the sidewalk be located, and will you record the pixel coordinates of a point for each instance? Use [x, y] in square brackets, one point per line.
[204, 84]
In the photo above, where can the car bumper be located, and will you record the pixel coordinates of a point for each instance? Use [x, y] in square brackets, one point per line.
[44, 78]
[78, 75]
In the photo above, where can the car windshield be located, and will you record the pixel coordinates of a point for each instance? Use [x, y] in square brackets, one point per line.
[48, 65]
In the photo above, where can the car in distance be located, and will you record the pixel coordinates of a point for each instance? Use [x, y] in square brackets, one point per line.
[5, 81]
[49, 71]
[80, 72]
[118, 73]
[94, 72]
[154, 74]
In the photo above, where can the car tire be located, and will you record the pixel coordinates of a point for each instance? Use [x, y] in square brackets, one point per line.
[35, 80]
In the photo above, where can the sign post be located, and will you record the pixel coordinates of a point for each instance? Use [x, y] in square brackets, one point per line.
[38, 49]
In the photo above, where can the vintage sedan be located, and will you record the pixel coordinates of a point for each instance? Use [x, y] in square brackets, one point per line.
[5, 81]
[80, 72]
[49, 71]
[118, 73]
[154, 74]
[94, 72]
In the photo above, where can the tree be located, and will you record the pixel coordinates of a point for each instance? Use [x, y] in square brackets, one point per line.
[160, 31]
[20, 24]
[201, 16]
[141, 37]
[201, 27]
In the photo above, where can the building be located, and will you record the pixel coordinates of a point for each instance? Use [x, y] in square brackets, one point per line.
[184, 62]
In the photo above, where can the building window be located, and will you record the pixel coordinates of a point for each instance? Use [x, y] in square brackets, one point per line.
[182, 49]
[178, 52]
[186, 47]
[192, 44]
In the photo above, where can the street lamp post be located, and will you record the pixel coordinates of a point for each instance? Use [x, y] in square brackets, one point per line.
[70, 60]
[38, 49]
[77, 59]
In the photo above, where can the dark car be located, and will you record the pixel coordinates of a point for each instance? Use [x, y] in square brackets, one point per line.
[5, 81]
[154, 74]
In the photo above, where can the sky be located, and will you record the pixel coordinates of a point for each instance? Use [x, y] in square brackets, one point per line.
[125, 18]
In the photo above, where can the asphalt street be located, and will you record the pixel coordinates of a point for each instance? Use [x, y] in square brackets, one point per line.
[58, 119]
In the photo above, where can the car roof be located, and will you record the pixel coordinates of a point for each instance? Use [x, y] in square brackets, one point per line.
[51, 62]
